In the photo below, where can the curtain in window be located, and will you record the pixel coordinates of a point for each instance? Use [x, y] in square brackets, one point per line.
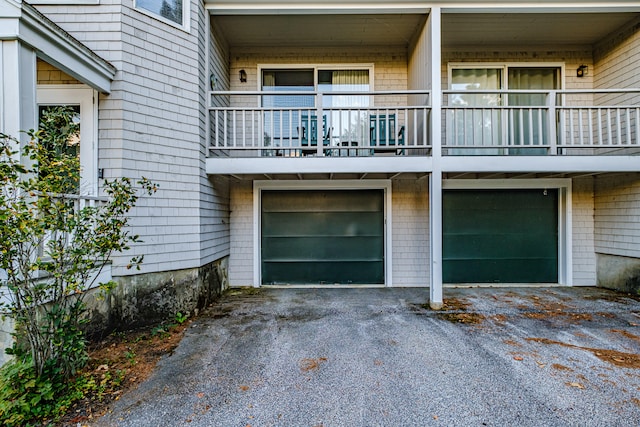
[475, 127]
[529, 127]
[347, 125]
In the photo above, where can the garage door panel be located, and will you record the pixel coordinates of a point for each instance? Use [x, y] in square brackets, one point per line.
[485, 247]
[508, 236]
[322, 236]
[300, 273]
[328, 248]
[500, 270]
[327, 223]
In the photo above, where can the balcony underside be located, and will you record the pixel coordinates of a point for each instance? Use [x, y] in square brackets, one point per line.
[386, 167]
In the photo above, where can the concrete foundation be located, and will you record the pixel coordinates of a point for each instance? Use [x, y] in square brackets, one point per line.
[619, 273]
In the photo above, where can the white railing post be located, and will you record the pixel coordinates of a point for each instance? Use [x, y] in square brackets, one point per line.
[552, 135]
[319, 125]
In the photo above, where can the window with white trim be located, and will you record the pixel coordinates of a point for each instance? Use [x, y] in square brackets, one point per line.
[80, 99]
[171, 10]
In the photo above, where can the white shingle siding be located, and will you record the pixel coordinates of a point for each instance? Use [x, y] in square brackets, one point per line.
[390, 63]
[616, 59]
[153, 125]
[617, 209]
[584, 257]
[410, 230]
[241, 256]
[571, 60]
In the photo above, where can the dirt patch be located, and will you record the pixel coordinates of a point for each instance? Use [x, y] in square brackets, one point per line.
[617, 358]
[307, 365]
[626, 335]
[119, 363]
[560, 367]
[466, 318]
[617, 297]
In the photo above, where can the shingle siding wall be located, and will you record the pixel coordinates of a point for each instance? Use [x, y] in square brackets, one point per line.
[584, 257]
[390, 63]
[616, 59]
[241, 257]
[410, 214]
[617, 213]
[50, 75]
[153, 125]
[214, 191]
[571, 60]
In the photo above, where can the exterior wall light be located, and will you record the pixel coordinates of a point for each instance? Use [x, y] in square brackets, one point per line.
[243, 76]
[582, 71]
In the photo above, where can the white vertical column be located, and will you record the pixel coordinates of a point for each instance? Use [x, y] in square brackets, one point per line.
[18, 89]
[435, 182]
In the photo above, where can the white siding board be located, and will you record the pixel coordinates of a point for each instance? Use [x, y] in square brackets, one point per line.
[617, 209]
[584, 257]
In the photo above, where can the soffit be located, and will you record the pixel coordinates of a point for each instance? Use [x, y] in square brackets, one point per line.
[529, 29]
[319, 30]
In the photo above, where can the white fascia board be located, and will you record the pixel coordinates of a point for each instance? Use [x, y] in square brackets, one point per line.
[276, 165]
[541, 6]
[250, 7]
[567, 164]
[58, 48]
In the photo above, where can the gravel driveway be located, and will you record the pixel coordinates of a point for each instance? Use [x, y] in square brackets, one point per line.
[378, 357]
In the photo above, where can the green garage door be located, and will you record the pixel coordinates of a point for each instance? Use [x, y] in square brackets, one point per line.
[323, 236]
[500, 236]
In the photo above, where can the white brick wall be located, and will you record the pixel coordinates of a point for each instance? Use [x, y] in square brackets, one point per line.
[410, 213]
[617, 213]
[241, 256]
[584, 257]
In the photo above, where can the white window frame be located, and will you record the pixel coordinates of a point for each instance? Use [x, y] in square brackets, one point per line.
[316, 68]
[374, 184]
[565, 211]
[504, 66]
[186, 12]
[83, 96]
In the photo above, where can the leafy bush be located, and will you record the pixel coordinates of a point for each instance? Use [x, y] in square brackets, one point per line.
[51, 248]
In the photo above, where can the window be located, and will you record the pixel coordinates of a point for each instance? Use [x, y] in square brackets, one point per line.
[80, 99]
[171, 10]
[492, 125]
[282, 127]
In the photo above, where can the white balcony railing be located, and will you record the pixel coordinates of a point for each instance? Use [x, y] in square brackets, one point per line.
[309, 123]
[568, 122]
[519, 122]
[75, 203]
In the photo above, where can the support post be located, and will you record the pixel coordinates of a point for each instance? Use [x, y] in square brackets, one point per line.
[18, 110]
[435, 182]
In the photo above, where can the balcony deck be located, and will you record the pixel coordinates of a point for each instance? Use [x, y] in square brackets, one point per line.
[392, 132]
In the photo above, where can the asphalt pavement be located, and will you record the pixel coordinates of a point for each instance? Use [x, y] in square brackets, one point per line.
[380, 357]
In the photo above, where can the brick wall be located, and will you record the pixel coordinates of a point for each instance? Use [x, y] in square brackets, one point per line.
[410, 214]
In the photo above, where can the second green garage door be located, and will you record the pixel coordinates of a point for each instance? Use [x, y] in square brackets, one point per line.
[500, 236]
[322, 237]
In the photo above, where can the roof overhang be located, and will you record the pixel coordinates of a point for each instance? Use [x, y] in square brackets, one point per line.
[21, 21]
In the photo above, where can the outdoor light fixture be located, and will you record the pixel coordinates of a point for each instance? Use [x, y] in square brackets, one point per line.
[213, 81]
[243, 76]
[582, 71]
